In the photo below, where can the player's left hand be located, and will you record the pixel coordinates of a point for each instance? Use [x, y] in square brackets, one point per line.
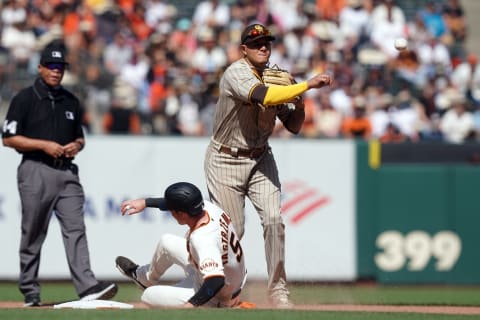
[130, 207]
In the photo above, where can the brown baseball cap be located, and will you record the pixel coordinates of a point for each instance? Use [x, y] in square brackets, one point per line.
[254, 32]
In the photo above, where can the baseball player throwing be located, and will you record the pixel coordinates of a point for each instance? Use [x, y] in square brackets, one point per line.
[210, 255]
[239, 162]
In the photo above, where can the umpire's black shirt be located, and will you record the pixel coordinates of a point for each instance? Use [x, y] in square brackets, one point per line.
[43, 112]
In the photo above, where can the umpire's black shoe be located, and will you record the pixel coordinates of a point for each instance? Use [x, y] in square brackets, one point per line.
[100, 291]
[129, 269]
[32, 300]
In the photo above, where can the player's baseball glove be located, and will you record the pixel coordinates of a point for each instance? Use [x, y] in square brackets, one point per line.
[277, 77]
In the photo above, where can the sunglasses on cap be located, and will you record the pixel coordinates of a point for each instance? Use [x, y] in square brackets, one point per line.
[54, 66]
[259, 32]
[255, 32]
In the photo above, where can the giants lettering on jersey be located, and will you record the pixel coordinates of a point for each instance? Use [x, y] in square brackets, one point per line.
[208, 265]
[224, 222]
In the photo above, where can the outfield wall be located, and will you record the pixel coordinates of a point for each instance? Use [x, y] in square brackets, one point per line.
[418, 212]
[394, 213]
[318, 179]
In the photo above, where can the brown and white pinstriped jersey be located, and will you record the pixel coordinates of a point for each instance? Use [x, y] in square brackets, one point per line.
[238, 122]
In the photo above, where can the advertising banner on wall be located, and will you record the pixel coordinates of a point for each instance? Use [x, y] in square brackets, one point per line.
[318, 206]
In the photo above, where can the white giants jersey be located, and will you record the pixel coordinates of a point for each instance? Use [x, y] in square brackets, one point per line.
[215, 250]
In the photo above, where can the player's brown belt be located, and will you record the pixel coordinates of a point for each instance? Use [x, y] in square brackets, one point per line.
[248, 153]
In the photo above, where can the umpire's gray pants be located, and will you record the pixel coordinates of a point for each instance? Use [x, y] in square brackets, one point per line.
[43, 189]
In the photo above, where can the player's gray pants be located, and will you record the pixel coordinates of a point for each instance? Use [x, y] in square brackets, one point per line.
[43, 189]
[231, 179]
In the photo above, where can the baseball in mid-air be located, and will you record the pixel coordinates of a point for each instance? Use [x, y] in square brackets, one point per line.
[401, 43]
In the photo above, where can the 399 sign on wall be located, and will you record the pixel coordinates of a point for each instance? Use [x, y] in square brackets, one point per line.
[415, 250]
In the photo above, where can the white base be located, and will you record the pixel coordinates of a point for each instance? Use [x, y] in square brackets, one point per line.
[93, 304]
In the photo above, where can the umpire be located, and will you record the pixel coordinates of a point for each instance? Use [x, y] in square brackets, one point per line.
[43, 123]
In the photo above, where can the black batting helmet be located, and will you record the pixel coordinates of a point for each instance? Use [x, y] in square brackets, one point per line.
[183, 196]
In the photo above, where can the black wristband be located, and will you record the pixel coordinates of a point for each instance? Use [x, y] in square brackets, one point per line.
[152, 202]
[207, 291]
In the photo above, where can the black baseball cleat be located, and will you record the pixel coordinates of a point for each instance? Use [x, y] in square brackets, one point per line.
[129, 269]
[100, 291]
[32, 300]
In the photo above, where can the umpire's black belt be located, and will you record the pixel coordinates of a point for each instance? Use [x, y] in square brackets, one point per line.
[248, 153]
[59, 163]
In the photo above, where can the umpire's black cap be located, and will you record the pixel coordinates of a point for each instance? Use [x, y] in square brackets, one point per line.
[254, 32]
[53, 53]
[182, 196]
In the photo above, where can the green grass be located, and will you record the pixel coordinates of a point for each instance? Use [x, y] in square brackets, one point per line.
[210, 314]
[394, 295]
[301, 294]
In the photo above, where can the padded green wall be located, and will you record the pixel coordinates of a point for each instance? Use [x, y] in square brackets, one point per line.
[426, 213]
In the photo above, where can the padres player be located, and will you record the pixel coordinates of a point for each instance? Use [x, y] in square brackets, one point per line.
[211, 254]
[239, 162]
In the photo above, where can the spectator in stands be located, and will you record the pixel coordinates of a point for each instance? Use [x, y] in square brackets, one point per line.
[357, 125]
[136, 22]
[122, 117]
[118, 53]
[427, 98]
[311, 34]
[214, 14]
[285, 13]
[432, 131]
[457, 124]
[209, 57]
[476, 120]
[466, 77]
[299, 44]
[434, 57]
[387, 11]
[330, 9]
[13, 12]
[417, 32]
[6, 69]
[19, 39]
[327, 120]
[158, 77]
[388, 23]
[182, 42]
[354, 20]
[392, 135]
[135, 70]
[159, 15]
[454, 16]
[188, 117]
[443, 91]
[406, 114]
[433, 20]
[80, 18]
[97, 86]
[379, 117]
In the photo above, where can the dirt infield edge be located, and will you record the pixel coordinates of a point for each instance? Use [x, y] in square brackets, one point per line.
[330, 307]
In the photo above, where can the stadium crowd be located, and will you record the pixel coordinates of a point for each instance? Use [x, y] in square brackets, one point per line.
[148, 67]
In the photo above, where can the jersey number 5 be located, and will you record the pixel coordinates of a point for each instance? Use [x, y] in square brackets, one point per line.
[236, 247]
